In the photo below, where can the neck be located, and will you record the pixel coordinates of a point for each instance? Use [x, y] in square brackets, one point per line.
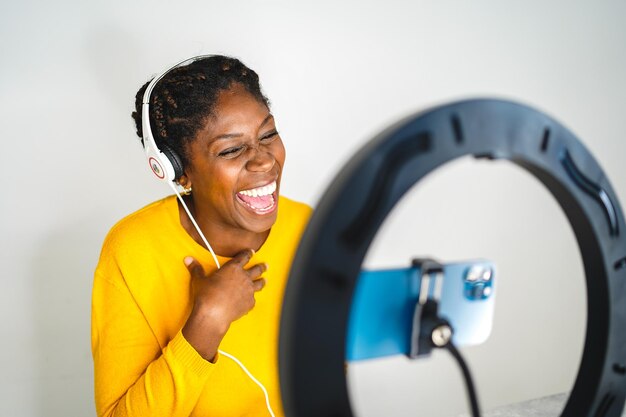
[226, 241]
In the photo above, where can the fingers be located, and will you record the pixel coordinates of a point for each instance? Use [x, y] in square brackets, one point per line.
[258, 284]
[239, 261]
[257, 270]
[194, 267]
[243, 257]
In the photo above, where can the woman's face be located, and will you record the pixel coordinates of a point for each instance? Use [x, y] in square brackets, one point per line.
[236, 162]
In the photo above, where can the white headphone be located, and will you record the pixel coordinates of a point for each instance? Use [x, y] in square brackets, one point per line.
[164, 162]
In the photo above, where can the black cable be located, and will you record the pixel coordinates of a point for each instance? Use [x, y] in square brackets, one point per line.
[469, 383]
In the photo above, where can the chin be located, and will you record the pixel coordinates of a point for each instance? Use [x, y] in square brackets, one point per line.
[262, 225]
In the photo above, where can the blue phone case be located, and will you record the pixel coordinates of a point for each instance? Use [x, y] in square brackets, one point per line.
[384, 302]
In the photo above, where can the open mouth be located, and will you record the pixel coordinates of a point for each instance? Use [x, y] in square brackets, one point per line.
[261, 200]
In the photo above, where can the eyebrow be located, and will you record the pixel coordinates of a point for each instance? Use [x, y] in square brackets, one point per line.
[237, 135]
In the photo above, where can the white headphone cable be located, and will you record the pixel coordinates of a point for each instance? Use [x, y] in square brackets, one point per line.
[217, 263]
[267, 398]
[195, 224]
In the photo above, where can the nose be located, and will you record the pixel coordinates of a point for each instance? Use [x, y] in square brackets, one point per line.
[260, 161]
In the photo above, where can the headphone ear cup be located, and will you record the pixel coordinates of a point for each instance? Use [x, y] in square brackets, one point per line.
[173, 157]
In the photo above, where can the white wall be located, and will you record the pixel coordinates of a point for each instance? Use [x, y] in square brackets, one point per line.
[336, 72]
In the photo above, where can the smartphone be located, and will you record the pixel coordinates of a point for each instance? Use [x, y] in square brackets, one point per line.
[384, 303]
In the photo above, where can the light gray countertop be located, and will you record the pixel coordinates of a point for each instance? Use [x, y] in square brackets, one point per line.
[542, 407]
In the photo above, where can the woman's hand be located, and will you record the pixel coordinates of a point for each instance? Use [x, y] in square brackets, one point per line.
[219, 299]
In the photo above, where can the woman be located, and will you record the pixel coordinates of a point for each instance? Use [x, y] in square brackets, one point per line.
[161, 309]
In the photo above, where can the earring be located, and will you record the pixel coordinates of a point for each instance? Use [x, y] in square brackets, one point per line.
[186, 191]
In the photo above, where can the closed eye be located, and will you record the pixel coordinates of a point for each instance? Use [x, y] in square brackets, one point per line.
[269, 137]
[231, 152]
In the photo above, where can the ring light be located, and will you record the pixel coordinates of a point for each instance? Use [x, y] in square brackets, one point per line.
[319, 292]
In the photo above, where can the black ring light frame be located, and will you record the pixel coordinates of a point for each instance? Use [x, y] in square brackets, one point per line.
[325, 269]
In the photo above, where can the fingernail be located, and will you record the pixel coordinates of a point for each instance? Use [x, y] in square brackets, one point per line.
[188, 260]
[253, 252]
[267, 266]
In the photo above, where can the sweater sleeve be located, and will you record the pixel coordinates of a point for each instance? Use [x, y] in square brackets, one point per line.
[134, 376]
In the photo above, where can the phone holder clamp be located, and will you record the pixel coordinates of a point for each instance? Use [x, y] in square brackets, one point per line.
[429, 329]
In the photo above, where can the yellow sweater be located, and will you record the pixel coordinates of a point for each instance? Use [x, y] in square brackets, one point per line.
[141, 300]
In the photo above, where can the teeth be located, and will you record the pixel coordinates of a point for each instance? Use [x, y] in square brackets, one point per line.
[261, 191]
